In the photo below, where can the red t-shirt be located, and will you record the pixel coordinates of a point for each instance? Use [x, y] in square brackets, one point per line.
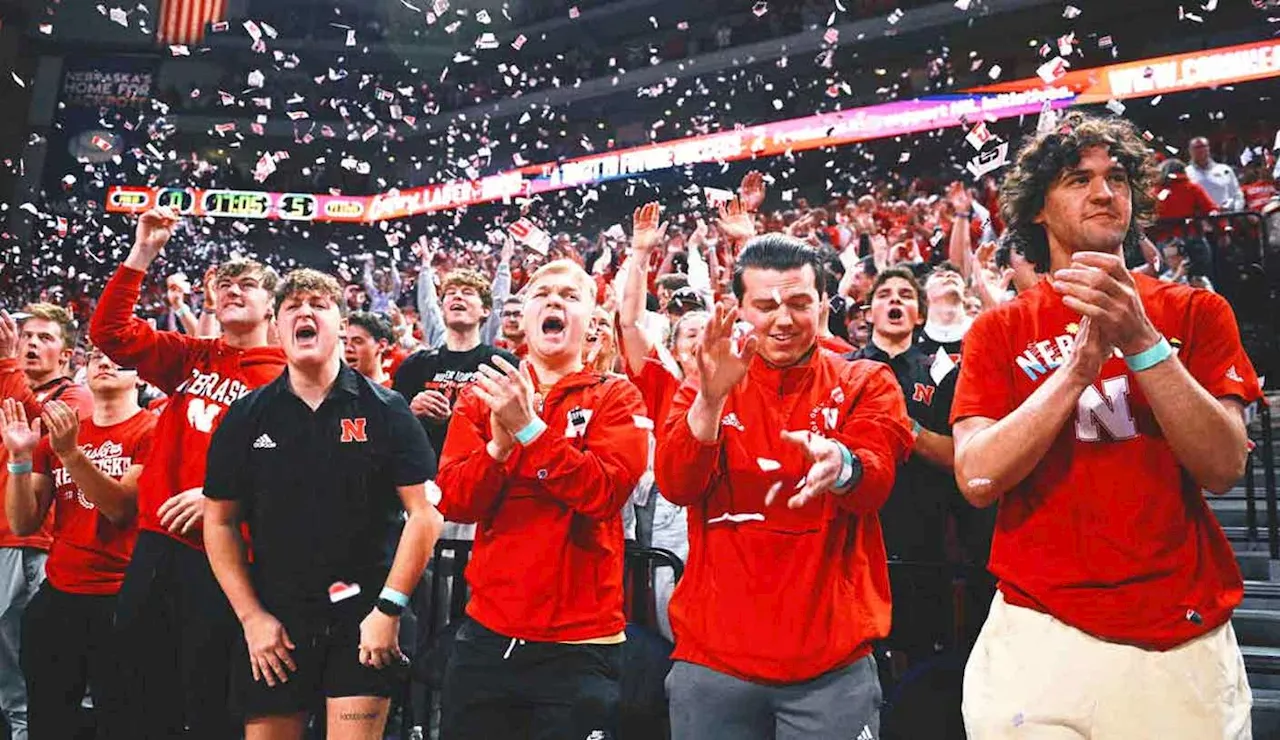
[1107, 533]
[89, 553]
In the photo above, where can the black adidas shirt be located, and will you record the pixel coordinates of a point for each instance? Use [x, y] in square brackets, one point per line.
[318, 488]
[447, 372]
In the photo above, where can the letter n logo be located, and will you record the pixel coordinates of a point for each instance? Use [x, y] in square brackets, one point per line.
[353, 430]
[923, 394]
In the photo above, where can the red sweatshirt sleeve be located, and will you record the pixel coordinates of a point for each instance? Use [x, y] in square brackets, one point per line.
[878, 431]
[594, 481]
[1204, 204]
[470, 481]
[684, 469]
[159, 356]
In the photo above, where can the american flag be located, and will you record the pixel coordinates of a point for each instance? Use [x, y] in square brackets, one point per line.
[184, 21]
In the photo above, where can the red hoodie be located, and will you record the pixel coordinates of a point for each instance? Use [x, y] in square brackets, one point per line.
[547, 563]
[776, 595]
[13, 384]
[202, 378]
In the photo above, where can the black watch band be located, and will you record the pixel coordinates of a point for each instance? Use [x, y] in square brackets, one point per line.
[389, 607]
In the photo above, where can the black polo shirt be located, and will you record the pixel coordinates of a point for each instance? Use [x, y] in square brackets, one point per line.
[318, 488]
[914, 518]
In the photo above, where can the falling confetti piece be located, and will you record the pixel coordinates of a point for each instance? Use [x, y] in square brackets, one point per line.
[574, 12]
[519, 42]
[831, 36]
[18, 79]
[736, 518]
[962, 4]
[46, 28]
[118, 15]
[1053, 70]
[1071, 12]
[760, 8]
[1115, 106]
[995, 72]
[768, 465]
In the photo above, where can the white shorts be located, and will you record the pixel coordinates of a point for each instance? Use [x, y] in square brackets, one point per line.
[1031, 676]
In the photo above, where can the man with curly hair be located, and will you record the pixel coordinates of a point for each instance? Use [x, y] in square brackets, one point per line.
[1075, 412]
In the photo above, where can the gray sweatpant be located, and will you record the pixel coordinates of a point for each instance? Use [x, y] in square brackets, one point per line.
[21, 573]
[840, 705]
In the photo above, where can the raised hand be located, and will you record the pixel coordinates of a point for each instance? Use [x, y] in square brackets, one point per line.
[960, 199]
[751, 191]
[1100, 288]
[1089, 353]
[20, 439]
[63, 425]
[508, 392]
[153, 231]
[8, 336]
[735, 222]
[646, 231]
[721, 366]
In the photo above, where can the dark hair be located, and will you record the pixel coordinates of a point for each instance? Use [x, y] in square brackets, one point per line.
[1042, 160]
[869, 266]
[946, 266]
[902, 273]
[378, 326]
[672, 281]
[684, 300]
[779, 253]
[1173, 169]
[302, 280]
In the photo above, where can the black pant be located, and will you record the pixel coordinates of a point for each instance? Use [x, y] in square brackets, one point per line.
[175, 624]
[66, 645]
[496, 687]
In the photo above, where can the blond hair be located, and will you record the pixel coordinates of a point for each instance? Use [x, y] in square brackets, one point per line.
[58, 315]
[306, 280]
[565, 267]
[234, 268]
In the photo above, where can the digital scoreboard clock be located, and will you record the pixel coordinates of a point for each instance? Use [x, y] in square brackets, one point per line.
[235, 204]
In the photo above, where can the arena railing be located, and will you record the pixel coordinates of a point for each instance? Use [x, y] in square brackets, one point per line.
[1239, 253]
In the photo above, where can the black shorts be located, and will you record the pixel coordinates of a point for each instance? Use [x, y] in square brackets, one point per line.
[327, 654]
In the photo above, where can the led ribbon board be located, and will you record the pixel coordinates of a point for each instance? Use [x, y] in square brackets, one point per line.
[1144, 78]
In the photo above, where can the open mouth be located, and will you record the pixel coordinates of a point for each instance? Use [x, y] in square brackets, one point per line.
[305, 333]
[553, 326]
[32, 356]
[457, 307]
[895, 314]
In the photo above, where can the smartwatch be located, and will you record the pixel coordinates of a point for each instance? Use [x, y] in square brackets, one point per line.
[389, 607]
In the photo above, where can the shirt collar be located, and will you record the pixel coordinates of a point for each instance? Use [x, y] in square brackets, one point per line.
[347, 383]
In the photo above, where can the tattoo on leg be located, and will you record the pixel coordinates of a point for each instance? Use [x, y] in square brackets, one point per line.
[358, 716]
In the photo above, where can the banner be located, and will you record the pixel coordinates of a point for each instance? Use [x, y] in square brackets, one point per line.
[116, 82]
[988, 103]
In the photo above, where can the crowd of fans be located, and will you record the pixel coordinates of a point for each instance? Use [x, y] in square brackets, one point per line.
[901, 276]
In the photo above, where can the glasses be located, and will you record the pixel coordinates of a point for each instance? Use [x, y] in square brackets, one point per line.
[512, 314]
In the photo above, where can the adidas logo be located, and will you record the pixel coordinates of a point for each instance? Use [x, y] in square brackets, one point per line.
[264, 443]
[865, 734]
[731, 420]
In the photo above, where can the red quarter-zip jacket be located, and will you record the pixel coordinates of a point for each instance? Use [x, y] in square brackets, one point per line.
[548, 556]
[202, 377]
[771, 594]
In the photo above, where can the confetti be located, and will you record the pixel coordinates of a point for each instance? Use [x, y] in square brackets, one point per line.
[46, 28]
[18, 79]
[1071, 12]
[118, 15]
[768, 465]
[1053, 70]
[179, 50]
[519, 42]
[1116, 107]
[760, 8]
[962, 4]
[736, 518]
[574, 12]
[831, 36]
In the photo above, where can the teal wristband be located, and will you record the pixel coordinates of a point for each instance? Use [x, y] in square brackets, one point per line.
[1151, 357]
[846, 467]
[915, 427]
[394, 596]
[531, 430]
[18, 468]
